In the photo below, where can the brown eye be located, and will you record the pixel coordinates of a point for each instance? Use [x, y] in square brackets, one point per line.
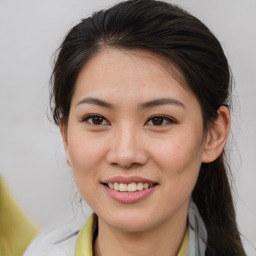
[158, 120]
[95, 120]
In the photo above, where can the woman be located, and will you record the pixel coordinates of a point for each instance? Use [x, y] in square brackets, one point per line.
[141, 93]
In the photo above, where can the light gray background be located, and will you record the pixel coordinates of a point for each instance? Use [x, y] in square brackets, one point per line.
[32, 159]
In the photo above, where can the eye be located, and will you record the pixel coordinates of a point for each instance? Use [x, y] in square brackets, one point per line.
[95, 119]
[160, 120]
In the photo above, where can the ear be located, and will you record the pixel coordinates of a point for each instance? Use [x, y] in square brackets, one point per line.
[217, 136]
[63, 131]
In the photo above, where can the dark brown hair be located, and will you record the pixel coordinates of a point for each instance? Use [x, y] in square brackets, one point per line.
[173, 34]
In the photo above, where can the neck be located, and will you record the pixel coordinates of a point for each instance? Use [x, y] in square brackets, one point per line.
[164, 240]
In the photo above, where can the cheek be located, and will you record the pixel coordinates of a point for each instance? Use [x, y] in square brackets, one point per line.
[85, 161]
[86, 157]
[84, 149]
[180, 161]
[178, 152]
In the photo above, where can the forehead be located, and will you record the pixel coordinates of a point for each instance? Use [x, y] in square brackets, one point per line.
[114, 72]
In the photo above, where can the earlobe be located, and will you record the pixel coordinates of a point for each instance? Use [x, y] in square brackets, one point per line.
[217, 136]
[63, 131]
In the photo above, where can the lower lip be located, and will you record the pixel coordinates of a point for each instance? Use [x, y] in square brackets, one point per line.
[129, 197]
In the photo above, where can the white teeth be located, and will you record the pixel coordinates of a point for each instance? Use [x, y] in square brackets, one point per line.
[116, 186]
[145, 185]
[123, 187]
[131, 187]
[140, 186]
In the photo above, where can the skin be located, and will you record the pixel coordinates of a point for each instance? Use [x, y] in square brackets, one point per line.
[125, 141]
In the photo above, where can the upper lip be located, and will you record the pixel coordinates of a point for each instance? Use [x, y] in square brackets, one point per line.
[127, 180]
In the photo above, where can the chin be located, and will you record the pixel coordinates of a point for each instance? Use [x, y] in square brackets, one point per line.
[131, 226]
[131, 221]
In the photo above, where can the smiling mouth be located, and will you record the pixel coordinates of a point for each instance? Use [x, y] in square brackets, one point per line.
[130, 187]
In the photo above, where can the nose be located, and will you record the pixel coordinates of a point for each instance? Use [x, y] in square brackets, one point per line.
[126, 148]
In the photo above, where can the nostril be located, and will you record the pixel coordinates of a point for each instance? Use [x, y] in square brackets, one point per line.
[127, 158]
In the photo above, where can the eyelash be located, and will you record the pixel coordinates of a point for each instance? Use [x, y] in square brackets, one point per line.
[163, 120]
[91, 116]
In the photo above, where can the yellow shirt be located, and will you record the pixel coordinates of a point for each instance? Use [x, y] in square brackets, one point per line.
[85, 237]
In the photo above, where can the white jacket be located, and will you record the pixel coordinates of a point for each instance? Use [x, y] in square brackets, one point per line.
[62, 241]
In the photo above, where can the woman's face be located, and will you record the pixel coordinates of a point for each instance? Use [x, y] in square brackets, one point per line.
[133, 127]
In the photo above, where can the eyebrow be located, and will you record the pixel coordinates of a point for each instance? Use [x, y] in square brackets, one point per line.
[95, 101]
[148, 104]
[161, 101]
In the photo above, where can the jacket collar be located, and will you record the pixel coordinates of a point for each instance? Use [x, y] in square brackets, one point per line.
[197, 232]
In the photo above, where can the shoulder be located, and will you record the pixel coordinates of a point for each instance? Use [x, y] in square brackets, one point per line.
[60, 241]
